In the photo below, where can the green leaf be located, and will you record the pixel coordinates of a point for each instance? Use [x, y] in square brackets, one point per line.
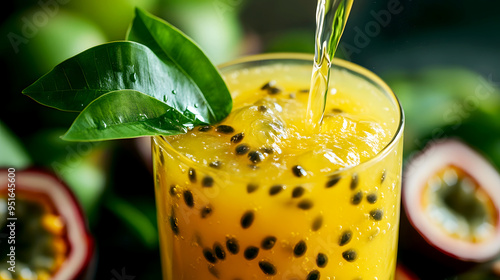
[127, 114]
[76, 82]
[172, 45]
[184, 87]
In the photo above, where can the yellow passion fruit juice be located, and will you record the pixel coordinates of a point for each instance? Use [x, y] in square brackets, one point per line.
[257, 197]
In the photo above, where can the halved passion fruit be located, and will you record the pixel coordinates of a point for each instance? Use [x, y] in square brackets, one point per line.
[43, 228]
[451, 198]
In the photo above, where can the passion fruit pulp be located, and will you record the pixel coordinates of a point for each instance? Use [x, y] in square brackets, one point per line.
[46, 228]
[451, 202]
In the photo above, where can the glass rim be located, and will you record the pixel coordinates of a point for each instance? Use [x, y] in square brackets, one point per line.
[336, 62]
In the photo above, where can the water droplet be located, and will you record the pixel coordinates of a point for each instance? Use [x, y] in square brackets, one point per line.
[174, 92]
[196, 105]
[102, 125]
[165, 98]
[142, 117]
[133, 77]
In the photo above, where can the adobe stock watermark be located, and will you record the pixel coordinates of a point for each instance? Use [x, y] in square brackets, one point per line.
[31, 24]
[122, 275]
[461, 110]
[372, 29]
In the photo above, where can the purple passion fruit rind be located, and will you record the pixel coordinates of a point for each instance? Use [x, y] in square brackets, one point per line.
[40, 194]
[451, 202]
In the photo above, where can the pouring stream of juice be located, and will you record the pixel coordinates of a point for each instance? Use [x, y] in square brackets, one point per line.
[331, 17]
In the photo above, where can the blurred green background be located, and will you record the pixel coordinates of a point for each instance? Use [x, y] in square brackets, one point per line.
[441, 58]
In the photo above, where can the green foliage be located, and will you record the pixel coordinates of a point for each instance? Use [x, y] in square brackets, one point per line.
[134, 219]
[448, 102]
[167, 41]
[163, 64]
[124, 114]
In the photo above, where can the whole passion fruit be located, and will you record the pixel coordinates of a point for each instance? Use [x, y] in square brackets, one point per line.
[451, 203]
[43, 229]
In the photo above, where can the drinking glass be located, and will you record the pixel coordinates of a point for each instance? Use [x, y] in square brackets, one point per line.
[343, 224]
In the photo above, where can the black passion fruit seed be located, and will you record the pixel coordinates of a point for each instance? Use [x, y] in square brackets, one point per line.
[333, 181]
[247, 219]
[232, 246]
[209, 255]
[377, 214]
[206, 211]
[350, 255]
[226, 129]
[305, 204]
[219, 251]
[174, 224]
[371, 198]
[313, 275]
[321, 260]
[268, 243]
[237, 138]
[337, 110]
[188, 198]
[267, 150]
[300, 248]
[274, 90]
[255, 156]
[267, 267]
[317, 223]
[356, 198]
[354, 181]
[298, 192]
[252, 187]
[251, 252]
[262, 108]
[274, 190]
[204, 128]
[192, 175]
[345, 237]
[242, 149]
[268, 85]
[215, 164]
[271, 87]
[173, 190]
[299, 171]
[207, 181]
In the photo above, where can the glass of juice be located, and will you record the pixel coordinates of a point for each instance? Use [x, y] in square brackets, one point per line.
[256, 197]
